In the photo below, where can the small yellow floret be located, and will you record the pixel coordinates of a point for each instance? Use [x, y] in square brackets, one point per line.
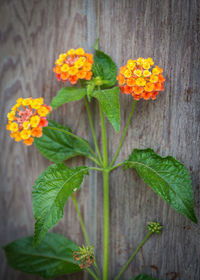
[26, 124]
[65, 68]
[34, 121]
[140, 82]
[19, 101]
[80, 51]
[140, 61]
[79, 63]
[150, 60]
[11, 116]
[138, 73]
[14, 108]
[82, 58]
[127, 73]
[27, 101]
[131, 64]
[59, 62]
[13, 127]
[72, 71]
[71, 52]
[156, 71]
[43, 111]
[25, 134]
[36, 103]
[146, 73]
[153, 79]
[146, 65]
[62, 56]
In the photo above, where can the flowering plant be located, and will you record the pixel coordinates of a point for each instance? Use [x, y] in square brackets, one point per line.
[50, 255]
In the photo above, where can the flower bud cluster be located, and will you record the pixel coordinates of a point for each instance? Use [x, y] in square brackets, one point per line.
[85, 256]
[154, 227]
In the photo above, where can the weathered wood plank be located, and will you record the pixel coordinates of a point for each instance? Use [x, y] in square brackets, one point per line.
[32, 34]
[168, 31]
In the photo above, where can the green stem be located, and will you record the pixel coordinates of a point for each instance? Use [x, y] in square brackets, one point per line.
[80, 220]
[96, 168]
[106, 172]
[92, 129]
[106, 224]
[117, 165]
[104, 138]
[124, 134]
[92, 273]
[83, 229]
[95, 159]
[133, 255]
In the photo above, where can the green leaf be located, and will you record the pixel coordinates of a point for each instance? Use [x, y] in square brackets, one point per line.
[96, 44]
[167, 177]
[109, 100]
[50, 193]
[105, 68]
[67, 94]
[54, 256]
[57, 146]
[143, 277]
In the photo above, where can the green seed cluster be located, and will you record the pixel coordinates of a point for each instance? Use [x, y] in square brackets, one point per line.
[85, 256]
[154, 227]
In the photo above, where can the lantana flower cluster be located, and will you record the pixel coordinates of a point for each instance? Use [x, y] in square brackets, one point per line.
[141, 79]
[74, 65]
[27, 118]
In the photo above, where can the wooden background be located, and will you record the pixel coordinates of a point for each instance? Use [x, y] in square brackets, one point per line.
[32, 34]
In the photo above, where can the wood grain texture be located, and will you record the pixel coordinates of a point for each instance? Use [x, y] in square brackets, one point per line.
[32, 34]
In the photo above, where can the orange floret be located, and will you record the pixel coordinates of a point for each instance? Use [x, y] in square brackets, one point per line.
[141, 78]
[149, 87]
[161, 79]
[127, 89]
[153, 79]
[137, 90]
[131, 82]
[29, 118]
[89, 57]
[74, 65]
[29, 141]
[154, 94]
[146, 95]
[81, 74]
[36, 132]
[88, 75]
[157, 86]
[57, 69]
[121, 80]
[64, 76]
[73, 79]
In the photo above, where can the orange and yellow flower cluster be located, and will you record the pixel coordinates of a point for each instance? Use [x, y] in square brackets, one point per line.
[27, 118]
[141, 79]
[74, 65]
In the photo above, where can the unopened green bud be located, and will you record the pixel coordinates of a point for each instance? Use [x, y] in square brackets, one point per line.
[98, 81]
[154, 227]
